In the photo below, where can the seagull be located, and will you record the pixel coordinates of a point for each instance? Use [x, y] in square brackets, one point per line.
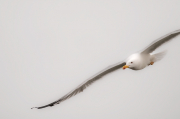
[136, 61]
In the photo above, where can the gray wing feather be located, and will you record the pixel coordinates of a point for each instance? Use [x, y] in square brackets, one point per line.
[84, 85]
[161, 41]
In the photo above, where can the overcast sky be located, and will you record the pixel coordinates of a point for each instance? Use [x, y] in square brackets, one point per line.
[48, 47]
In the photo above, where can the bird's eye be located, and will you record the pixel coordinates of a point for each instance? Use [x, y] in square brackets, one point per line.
[131, 62]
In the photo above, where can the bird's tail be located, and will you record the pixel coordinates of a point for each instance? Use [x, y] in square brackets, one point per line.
[158, 56]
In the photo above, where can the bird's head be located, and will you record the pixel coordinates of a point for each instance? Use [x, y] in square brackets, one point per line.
[132, 62]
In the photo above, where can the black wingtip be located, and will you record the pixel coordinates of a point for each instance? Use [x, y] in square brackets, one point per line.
[49, 105]
[37, 107]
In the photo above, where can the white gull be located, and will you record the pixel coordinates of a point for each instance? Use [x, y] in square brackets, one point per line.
[135, 61]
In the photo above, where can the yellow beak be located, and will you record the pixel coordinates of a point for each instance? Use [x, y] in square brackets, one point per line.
[125, 66]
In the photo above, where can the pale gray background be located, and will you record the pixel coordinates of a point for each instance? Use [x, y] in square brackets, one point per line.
[48, 47]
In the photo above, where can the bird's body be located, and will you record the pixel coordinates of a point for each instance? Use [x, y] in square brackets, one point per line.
[135, 61]
[138, 61]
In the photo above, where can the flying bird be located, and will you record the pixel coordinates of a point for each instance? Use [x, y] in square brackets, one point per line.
[135, 61]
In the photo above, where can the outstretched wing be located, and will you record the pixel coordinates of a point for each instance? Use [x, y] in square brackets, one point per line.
[83, 86]
[160, 41]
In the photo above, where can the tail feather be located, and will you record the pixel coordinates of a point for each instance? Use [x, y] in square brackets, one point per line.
[158, 56]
